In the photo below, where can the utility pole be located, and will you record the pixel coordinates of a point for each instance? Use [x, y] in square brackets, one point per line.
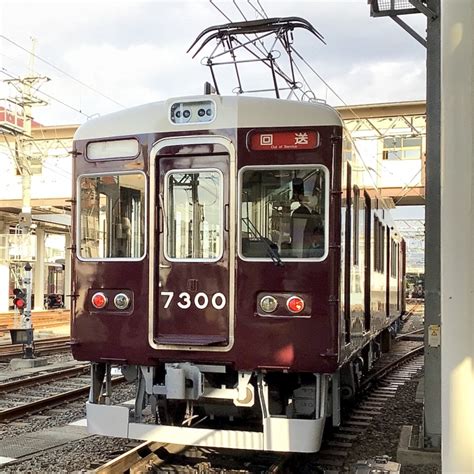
[26, 87]
[25, 100]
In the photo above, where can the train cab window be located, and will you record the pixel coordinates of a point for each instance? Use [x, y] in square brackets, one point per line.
[112, 216]
[283, 213]
[194, 204]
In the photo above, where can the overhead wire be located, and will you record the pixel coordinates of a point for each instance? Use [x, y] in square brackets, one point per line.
[70, 76]
[351, 138]
[219, 10]
[238, 8]
[5, 71]
[57, 171]
[64, 103]
[407, 190]
[259, 13]
[263, 9]
[304, 79]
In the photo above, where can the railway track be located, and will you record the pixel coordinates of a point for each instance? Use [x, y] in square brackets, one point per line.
[380, 389]
[140, 457]
[166, 457]
[388, 375]
[42, 347]
[26, 396]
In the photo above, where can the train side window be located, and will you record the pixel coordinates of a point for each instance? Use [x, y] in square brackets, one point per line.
[194, 203]
[113, 149]
[394, 259]
[112, 216]
[376, 244]
[379, 245]
[283, 212]
[382, 248]
[356, 220]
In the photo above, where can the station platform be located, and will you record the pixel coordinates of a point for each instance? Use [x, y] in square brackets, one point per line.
[31, 444]
[46, 324]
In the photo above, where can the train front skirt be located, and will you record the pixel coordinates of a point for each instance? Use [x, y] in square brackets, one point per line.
[278, 433]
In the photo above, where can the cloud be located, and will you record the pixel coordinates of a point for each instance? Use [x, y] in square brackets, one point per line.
[382, 82]
[134, 51]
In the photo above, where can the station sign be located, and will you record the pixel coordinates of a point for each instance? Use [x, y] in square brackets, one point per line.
[288, 140]
[11, 120]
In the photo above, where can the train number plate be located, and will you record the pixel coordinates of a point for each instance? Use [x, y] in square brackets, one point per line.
[200, 300]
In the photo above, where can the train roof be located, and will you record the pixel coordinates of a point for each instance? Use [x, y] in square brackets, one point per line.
[231, 112]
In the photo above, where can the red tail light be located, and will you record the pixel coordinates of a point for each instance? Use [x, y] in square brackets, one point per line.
[99, 300]
[295, 304]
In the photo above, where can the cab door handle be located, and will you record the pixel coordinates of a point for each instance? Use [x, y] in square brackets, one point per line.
[161, 214]
[226, 217]
[159, 219]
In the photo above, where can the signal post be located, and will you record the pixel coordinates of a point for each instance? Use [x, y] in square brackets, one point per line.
[24, 334]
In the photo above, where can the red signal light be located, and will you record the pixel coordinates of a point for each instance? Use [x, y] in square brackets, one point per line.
[295, 304]
[19, 303]
[19, 300]
[99, 300]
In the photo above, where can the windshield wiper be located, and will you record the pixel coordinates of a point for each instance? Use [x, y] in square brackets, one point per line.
[272, 248]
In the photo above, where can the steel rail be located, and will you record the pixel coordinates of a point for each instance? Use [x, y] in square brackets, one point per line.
[391, 366]
[135, 460]
[43, 346]
[406, 334]
[48, 402]
[43, 378]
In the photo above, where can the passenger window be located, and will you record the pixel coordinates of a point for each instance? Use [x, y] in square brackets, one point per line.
[112, 220]
[356, 220]
[194, 215]
[283, 212]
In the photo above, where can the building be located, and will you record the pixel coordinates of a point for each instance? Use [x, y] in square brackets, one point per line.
[389, 137]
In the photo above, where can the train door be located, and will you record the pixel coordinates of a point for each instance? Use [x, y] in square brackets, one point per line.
[367, 263]
[192, 271]
[387, 273]
[347, 256]
[396, 269]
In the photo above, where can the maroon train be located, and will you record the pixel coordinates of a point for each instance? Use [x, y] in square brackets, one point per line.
[231, 259]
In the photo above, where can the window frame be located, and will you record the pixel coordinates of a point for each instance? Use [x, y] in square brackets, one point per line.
[113, 158]
[326, 211]
[402, 148]
[379, 245]
[166, 209]
[394, 259]
[356, 224]
[78, 217]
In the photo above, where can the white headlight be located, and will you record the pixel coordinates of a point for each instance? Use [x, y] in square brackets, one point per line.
[121, 301]
[268, 304]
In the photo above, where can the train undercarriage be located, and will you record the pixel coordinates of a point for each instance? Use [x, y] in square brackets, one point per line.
[215, 406]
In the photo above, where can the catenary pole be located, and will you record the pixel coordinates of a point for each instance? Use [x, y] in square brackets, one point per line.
[432, 408]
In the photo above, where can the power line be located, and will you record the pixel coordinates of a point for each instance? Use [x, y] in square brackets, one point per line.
[63, 72]
[219, 10]
[65, 104]
[4, 71]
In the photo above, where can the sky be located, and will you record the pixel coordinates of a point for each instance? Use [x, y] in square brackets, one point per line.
[102, 56]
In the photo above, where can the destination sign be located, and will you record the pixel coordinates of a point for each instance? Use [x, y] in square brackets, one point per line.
[294, 140]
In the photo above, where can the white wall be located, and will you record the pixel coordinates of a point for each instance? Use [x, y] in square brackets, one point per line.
[54, 182]
[457, 236]
[4, 283]
[386, 173]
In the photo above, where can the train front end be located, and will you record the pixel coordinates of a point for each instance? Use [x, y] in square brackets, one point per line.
[207, 267]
